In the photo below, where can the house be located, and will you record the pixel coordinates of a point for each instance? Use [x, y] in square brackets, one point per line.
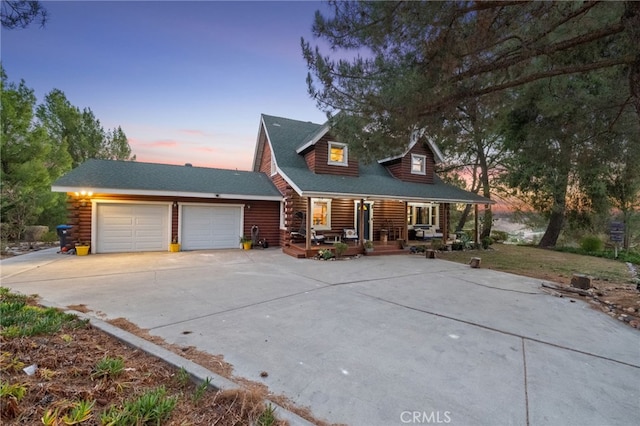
[302, 178]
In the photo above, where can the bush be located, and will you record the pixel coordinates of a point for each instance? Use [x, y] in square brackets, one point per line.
[35, 233]
[486, 242]
[499, 236]
[591, 244]
[341, 248]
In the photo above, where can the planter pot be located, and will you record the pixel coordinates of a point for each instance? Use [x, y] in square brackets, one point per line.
[174, 247]
[247, 245]
[82, 250]
[368, 250]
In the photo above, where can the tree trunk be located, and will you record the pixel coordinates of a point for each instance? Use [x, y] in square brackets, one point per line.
[487, 222]
[463, 218]
[556, 221]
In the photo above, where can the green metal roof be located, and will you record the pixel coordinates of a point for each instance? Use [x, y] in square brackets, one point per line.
[131, 177]
[374, 180]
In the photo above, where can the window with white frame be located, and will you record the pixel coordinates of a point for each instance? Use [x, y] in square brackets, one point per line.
[418, 164]
[423, 214]
[338, 154]
[321, 213]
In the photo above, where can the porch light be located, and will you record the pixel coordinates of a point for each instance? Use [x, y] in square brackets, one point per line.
[83, 196]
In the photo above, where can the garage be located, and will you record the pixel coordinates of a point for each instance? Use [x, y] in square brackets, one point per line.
[210, 227]
[124, 227]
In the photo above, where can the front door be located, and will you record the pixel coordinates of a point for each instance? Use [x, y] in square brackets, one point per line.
[368, 219]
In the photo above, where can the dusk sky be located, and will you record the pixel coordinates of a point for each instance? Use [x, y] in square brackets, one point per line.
[186, 81]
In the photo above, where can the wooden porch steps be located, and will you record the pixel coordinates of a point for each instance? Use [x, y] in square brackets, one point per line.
[385, 250]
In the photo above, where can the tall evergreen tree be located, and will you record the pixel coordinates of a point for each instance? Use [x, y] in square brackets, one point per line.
[30, 161]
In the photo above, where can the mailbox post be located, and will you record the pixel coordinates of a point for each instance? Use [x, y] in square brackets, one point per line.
[616, 233]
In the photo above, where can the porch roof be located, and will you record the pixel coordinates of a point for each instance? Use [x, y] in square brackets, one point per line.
[374, 180]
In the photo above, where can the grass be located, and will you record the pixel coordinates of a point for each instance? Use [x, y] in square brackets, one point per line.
[542, 263]
[19, 319]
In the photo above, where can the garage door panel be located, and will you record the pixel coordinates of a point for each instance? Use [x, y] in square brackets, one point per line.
[210, 227]
[132, 227]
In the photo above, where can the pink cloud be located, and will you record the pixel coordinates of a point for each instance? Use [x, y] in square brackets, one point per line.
[193, 132]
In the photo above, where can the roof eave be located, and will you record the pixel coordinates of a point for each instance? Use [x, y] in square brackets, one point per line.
[323, 131]
[148, 192]
[320, 194]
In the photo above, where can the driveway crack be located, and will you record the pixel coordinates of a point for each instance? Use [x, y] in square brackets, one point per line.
[508, 333]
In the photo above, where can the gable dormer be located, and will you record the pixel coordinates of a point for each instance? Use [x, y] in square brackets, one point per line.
[416, 164]
[324, 154]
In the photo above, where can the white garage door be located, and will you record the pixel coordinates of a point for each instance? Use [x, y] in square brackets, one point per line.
[209, 227]
[132, 227]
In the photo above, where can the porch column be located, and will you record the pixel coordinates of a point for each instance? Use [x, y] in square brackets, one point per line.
[361, 222]
[445, 222]
[405, 231]
[476, 223]
[308, 225]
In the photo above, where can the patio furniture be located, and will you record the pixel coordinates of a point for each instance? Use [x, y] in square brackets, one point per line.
[350, 234]
[332, 237]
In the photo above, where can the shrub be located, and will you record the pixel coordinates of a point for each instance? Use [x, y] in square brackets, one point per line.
[341, 248]
[486, 242]
[499, 236]
[591, 244]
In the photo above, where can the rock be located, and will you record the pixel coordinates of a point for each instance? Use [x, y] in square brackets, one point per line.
[581, 281]
[631, 310]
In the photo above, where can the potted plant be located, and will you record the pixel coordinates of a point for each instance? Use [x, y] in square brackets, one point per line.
[246, 242]
[82, 249]
[368, 246]
[174, 246]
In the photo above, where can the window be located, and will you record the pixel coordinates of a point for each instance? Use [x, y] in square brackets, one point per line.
[321, 213]
[418, 164]
[423, 214]
[338, 154]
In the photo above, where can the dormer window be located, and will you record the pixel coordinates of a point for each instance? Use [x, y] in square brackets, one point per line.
[338, 154]
[418, 164]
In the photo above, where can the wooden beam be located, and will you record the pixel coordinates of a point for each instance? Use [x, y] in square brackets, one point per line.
[308, 224]
[361, 220]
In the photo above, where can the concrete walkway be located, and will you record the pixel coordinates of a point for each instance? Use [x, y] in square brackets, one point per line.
[371, 341]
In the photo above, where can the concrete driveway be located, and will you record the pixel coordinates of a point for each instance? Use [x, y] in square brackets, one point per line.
[372, 341]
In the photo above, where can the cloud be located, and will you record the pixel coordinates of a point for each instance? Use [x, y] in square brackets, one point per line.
[193, 132]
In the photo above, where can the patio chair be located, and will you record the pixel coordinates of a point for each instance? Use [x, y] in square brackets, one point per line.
[350, 234]
[301, 233]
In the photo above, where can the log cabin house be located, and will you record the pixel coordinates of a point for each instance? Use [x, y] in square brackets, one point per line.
[303, 178]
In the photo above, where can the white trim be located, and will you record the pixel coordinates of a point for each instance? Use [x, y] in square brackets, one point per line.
[345, 154]
[424, 164]
[323, 131]
[430, 206]
[272, 163]
[94, 216]
[147, 192]
[328, 225]
[390, 197]
[355, 217]
[283, 205]
[437, 154]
